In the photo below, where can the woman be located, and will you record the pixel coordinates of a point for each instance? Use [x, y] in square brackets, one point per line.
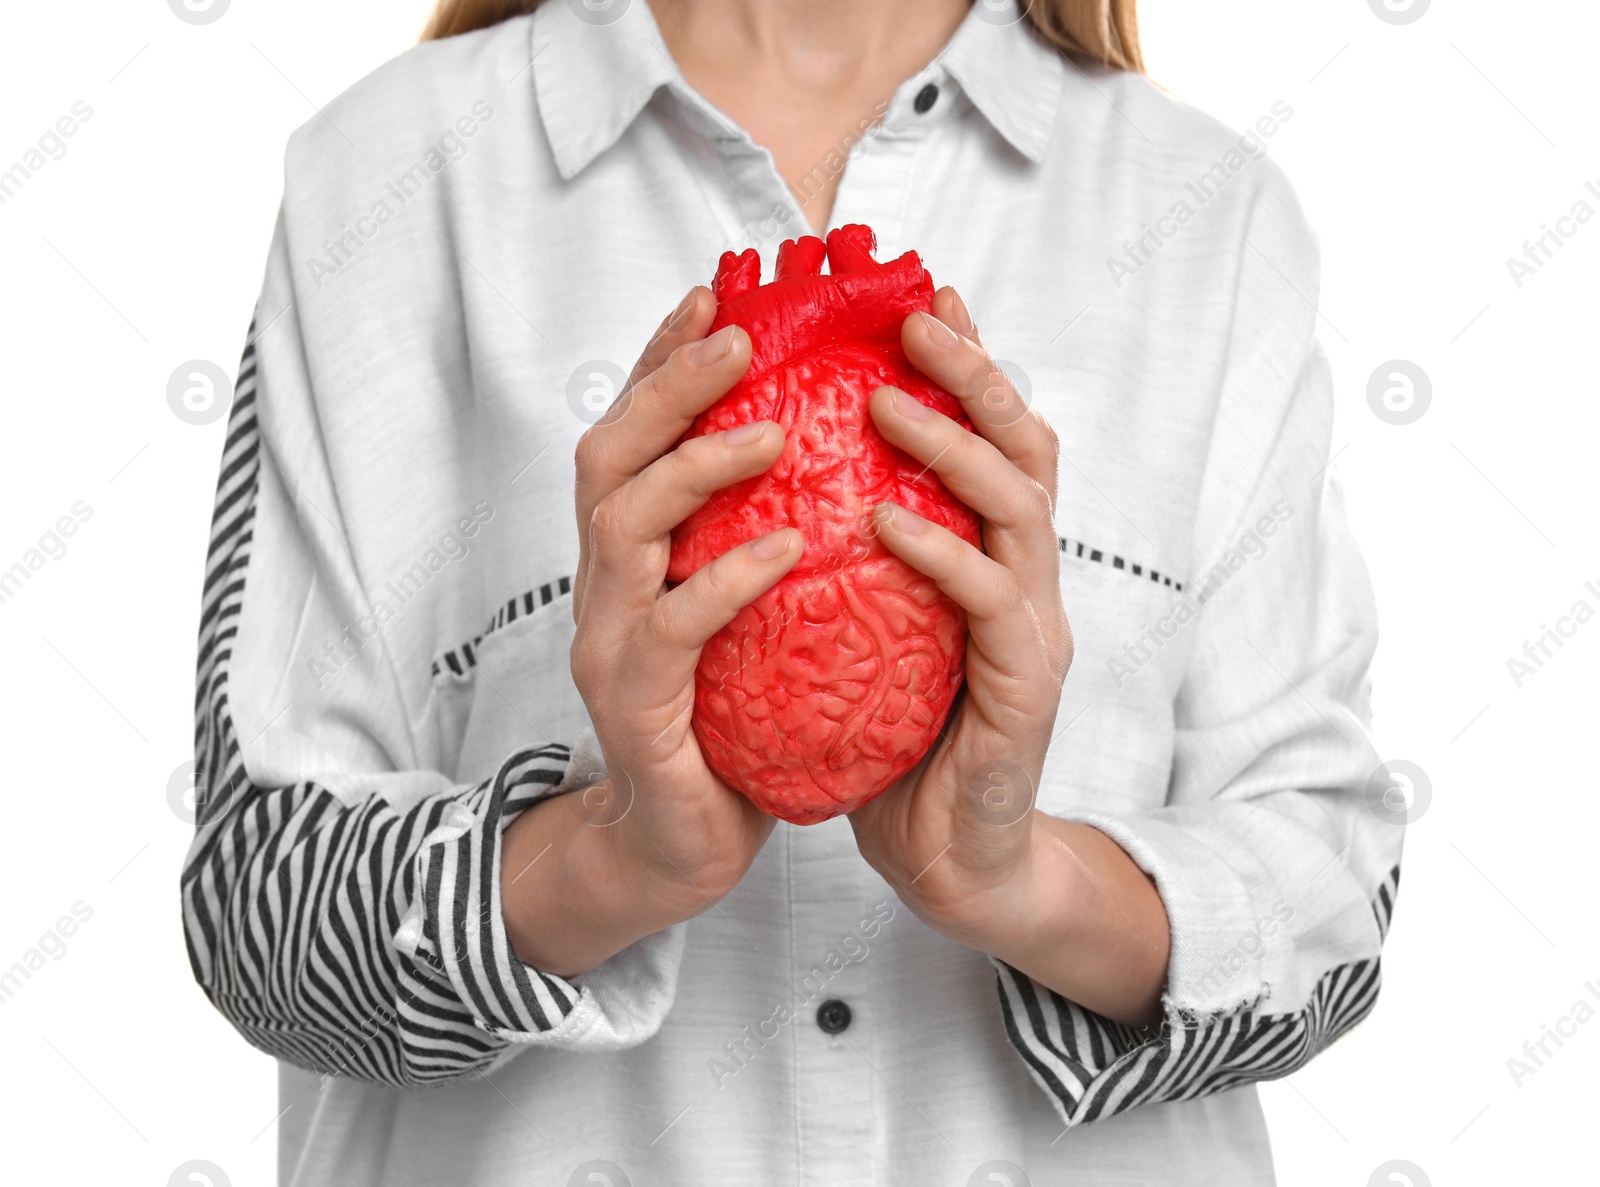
[491, 862]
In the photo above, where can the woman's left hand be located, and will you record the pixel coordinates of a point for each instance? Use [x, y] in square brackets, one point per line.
[957, 836]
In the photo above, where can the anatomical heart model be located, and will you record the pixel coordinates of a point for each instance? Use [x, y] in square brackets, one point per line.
[835, 682]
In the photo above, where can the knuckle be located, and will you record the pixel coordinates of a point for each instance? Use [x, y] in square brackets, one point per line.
[1016, 597]
[972, 450]
[581, 662]
[713, 587]
[641, 386]
[622, 405]
[678, 364]
[583, 454]
[609, 521]
[1066, 653]
[992, 389]
[665, 622]
[1002, 598]
[1048, 448]
[698, 451]
[993, 376]
[655, 348]
[1035, 504]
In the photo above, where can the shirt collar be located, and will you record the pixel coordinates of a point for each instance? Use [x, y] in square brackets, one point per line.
[1012, 76]
[592, 80]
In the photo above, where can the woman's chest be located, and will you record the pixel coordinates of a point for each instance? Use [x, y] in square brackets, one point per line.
[555, 331]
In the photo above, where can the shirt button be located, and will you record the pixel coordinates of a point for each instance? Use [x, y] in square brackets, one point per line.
[833, 1016]
[926, 98]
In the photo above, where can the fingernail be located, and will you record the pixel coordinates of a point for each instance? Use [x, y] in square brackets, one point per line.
[905, 521]
[909, 406]
[771, 545]
[710, 350]
[963, 318]
[746, 433]
[943, 336]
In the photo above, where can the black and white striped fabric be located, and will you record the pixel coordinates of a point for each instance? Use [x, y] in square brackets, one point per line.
[459, 661]
[1094, 1067]
[1102, 556]
[350, 939]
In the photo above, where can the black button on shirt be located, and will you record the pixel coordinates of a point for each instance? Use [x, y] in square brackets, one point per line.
[833, 1016]
[926, 98]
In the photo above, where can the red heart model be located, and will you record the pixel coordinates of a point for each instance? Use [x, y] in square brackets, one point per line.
[834, 682]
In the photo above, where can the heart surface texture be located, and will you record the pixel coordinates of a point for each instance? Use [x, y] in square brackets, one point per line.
[836, 681]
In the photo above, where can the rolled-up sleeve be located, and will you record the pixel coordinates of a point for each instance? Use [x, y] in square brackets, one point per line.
[342, 903]
[1277, 873]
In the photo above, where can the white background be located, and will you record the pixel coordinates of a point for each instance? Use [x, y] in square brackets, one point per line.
[1426, 154]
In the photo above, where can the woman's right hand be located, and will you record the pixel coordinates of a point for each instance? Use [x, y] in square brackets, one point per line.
[659, 838]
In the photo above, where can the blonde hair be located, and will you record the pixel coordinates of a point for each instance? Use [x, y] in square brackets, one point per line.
[1104, 31]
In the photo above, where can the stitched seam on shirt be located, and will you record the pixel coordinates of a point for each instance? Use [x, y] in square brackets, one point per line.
[459, 660]
[794, 1035]
[1101, 556]
[912, 190]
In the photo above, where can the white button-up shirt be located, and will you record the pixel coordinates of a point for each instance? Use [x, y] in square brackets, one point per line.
[475, 243]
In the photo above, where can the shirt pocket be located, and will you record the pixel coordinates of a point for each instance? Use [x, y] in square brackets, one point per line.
[1114, 731]
[510, 687]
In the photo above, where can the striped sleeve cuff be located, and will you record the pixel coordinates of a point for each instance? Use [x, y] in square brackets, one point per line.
[456, 932]
[1226, 1023]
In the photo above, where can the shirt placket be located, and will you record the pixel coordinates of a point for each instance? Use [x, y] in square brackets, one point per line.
[838, 933]
[842, 915]
[827, 971]
[883, 168]
[750, 201]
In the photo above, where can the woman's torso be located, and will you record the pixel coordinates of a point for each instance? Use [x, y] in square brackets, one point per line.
[488, 305]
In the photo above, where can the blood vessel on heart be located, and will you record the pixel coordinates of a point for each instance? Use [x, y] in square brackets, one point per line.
[833, 683]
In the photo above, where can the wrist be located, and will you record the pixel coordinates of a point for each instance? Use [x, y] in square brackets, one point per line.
[1099, 933]
[1029, 912]
[642, 878]
[1044, 910]
[568, 901]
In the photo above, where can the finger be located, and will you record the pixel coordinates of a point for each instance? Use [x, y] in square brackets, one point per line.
[983, 587]
[646, 420]
[1019, 526]
[629, 537]
[682, 620]
[949, 308]
[673, 487]
[997, 410]
[687, 323]
[1003, 622]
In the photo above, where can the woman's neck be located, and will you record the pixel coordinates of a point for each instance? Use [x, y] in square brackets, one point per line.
[801, 76]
